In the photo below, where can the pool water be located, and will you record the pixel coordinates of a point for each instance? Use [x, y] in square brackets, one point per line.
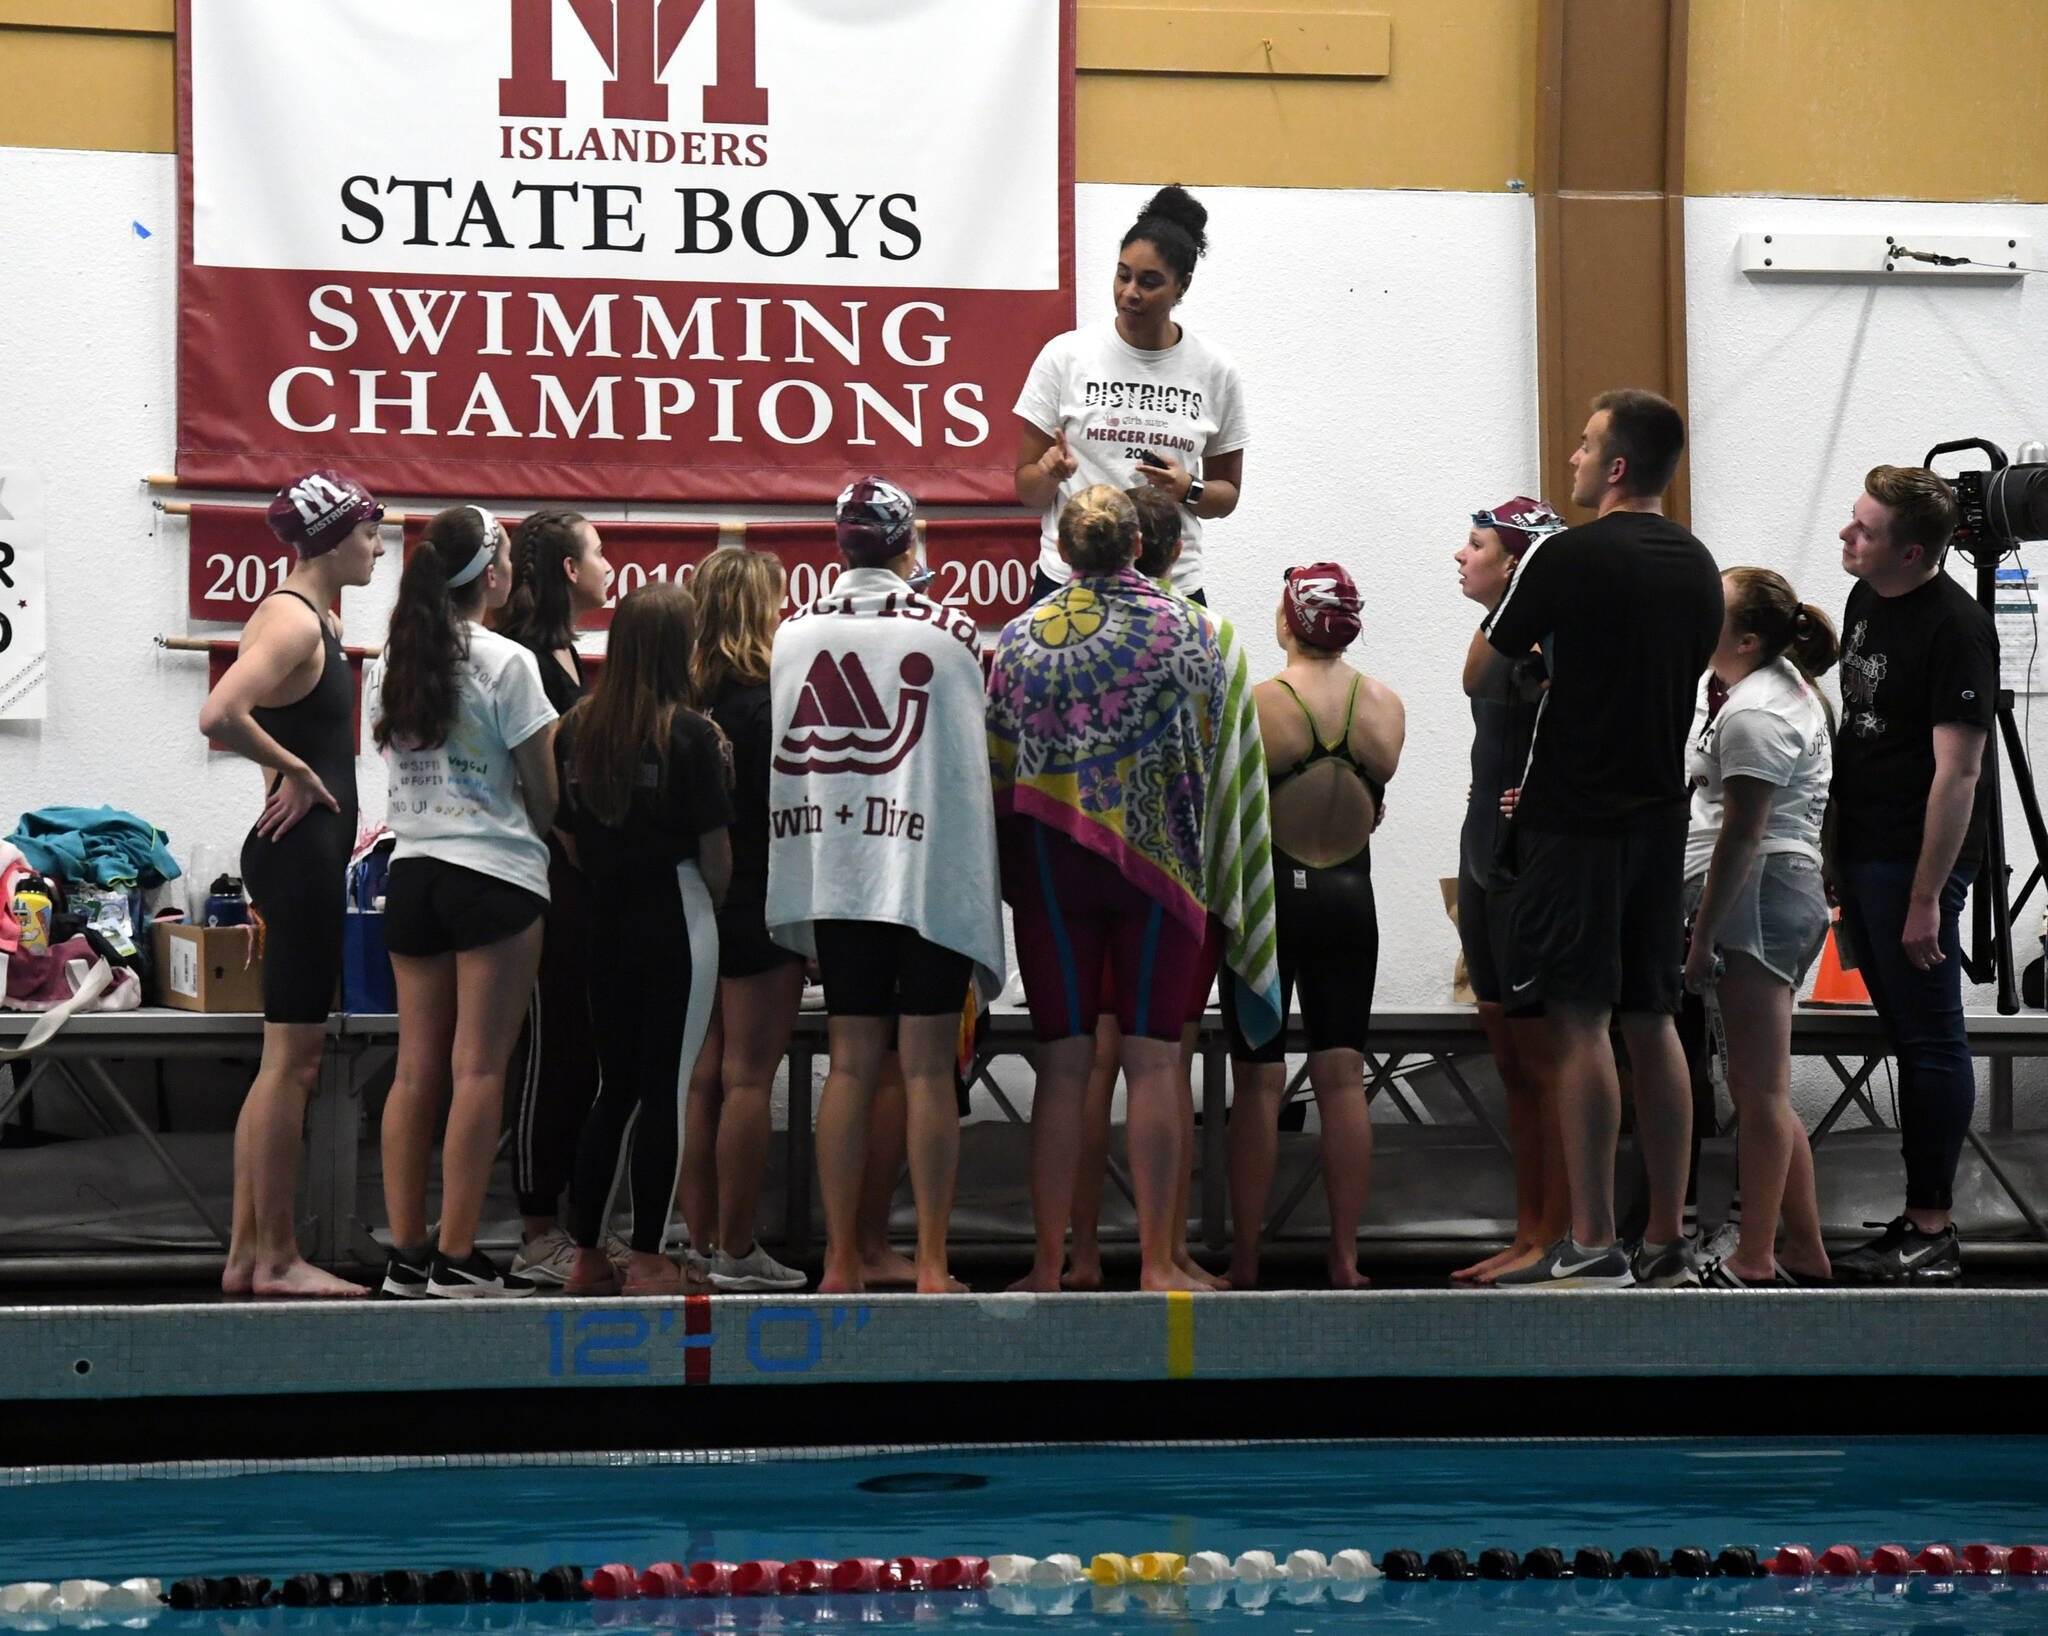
[1089, 1499]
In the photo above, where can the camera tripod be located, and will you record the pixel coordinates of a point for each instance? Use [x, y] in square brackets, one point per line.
[1989, 957]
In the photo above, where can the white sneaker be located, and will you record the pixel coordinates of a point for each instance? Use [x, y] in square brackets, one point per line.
[547, 1258]
[757, 1271]
[619, 1253]
[1722, 1242]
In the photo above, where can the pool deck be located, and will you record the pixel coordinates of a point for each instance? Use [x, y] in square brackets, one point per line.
[162, 1351]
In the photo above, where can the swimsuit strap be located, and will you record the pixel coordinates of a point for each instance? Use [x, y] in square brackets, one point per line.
[286, 590]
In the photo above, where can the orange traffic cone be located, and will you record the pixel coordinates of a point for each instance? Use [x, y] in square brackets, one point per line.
[1831, 984]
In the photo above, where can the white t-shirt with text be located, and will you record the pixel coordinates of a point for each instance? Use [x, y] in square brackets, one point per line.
[459, 801]
[1772, 727]
[1114, 401]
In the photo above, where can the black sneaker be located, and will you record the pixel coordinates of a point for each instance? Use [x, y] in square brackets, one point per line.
[1565, 1266]
[406, 1276]
[475, 1277]
[1904, 1255]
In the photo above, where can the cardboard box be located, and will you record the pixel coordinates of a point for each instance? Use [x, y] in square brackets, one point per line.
[208, 968]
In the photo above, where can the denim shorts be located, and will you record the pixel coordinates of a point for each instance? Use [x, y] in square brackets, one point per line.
[1779, 918]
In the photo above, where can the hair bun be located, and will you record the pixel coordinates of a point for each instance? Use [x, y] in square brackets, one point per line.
[1802, 622]
[1176, 204]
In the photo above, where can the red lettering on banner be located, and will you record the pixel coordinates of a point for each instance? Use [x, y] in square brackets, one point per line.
[636, 38]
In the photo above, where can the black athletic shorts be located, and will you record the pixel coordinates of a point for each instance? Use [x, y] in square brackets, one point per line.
[744, 947]
[873, 968]
[1595, 920]
[431, 908]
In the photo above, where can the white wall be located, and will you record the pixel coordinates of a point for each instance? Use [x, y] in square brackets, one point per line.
[1385, 338]
[1799, 388]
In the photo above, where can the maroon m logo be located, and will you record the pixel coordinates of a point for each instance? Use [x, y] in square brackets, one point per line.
[636, 38]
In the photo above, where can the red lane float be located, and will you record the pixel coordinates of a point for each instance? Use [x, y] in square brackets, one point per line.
[858, 1575]
[1936, 1559]
[664, 1581]
[1985, 1559]
[1839, 1562]
[1794, 1561]
[756, 1578]
[614, 1582]
[970, 1573]
[710, 1579]
[1891, 1561]
[2027, 1561]
[804, 1578]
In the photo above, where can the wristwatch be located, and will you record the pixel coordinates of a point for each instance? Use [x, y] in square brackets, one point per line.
[1193, 497]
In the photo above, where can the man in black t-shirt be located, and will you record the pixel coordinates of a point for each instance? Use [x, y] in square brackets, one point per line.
[1919, 687]
[1627, 609]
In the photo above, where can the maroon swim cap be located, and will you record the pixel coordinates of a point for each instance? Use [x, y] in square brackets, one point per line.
[320, 510]
[876, 521]
[1519, 522]
[1322, 606]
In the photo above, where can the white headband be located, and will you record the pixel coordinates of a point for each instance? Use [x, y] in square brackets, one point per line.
[484, 552]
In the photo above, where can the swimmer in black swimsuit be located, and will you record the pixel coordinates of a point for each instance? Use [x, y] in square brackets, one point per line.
[1329, 792]
[288, 704]
[1505, 694]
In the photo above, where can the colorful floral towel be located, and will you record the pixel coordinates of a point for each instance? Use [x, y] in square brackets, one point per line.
[1105, 709]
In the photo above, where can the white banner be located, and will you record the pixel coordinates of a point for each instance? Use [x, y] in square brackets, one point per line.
[24, 693]
[869, 143]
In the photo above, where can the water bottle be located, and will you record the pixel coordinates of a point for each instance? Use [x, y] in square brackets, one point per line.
[226, 903]
[32, 905]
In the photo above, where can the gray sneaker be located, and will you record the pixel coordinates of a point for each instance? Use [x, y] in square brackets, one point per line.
[547, 1258]
[1666, 1266]
[756, 1271]
[1565, 1266]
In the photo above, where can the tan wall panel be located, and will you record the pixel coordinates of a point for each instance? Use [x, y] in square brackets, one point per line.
[1916, 99]
[1456, 111]
[87, 90]
[123, 16]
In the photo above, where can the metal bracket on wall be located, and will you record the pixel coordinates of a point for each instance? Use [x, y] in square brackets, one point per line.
[1881, 255]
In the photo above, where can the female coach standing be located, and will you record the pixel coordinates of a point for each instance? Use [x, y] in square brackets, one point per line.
[1138, 399]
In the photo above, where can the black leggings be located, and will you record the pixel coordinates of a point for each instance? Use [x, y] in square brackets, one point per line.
[653, 971]
[554, 1065]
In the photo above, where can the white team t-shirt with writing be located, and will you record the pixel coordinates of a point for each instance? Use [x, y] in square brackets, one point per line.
[1114, 401]
[459, 801]
[1772, 726]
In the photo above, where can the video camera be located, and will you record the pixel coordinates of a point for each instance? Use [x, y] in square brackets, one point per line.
[1999, 507]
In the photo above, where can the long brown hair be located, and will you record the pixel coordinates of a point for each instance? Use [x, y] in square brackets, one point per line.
[625, 720]
[739, 593]
[538, 612]
[425, 640]
[1762, 603]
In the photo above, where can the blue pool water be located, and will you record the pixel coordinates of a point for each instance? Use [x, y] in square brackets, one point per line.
[1323, 1496]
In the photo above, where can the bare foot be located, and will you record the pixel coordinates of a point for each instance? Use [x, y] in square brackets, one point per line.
[842, 1281]
[886, 1267]
[1038, 1281]
[593, 1274]
[1199, 1273]
[1514, 1263]
[1241, 1277]
[300, 1278]
[1084, 1272]
[1494, 1264]
[238, 1277]
[1345, 1275]
[1170, 1280]
[651, 1275]
[940, 1282]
